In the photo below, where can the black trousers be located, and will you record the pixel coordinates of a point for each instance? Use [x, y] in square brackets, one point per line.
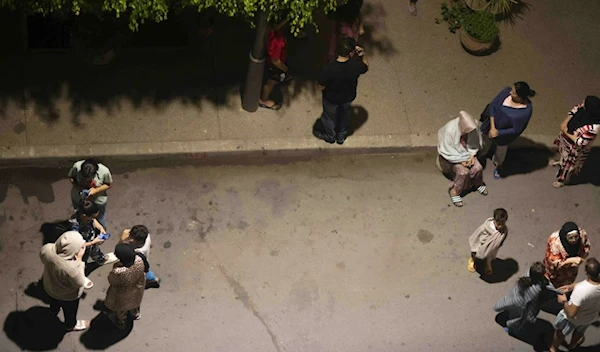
[335, 119]
[69, 310]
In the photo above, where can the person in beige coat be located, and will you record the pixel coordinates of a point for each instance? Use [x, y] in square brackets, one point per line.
[127, 283]
[64, 278]
[487, 240]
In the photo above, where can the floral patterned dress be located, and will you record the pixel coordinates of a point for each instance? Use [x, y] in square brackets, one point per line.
[556, 255]
[574, 154]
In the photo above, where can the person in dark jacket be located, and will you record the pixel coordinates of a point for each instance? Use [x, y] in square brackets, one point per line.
[504, 120]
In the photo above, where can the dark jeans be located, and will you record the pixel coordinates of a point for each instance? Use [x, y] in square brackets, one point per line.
[69, 310]
[335, 119]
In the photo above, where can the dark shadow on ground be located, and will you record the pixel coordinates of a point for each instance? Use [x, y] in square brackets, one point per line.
[36, 290]
[533, 334]
[103, 334]
[35, 329]
[504, 269]
[29, 182]
[51, 231]
[529, 157]
[358, 117]
[208, 70]
[590, 173]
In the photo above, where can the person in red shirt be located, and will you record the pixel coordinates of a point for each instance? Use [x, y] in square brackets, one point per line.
[277, 69]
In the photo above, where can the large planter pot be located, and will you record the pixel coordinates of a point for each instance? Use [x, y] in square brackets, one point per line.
[476, 5]
[476, 47]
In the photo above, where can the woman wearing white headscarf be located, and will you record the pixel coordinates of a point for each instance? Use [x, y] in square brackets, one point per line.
[458, 143]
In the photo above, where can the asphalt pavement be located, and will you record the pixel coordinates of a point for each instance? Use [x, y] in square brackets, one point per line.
[346, 253]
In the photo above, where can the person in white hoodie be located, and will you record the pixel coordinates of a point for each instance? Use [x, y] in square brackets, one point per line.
[64, 278]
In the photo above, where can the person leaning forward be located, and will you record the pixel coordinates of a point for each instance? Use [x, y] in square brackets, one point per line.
[338, 81]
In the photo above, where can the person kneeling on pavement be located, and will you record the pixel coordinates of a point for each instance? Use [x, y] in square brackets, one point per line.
[85, 222]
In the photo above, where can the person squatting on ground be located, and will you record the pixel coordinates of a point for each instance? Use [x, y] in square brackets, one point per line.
[139, 238]
[84, 221]
[277, 69]
[338, 81]
[64, 278]
[522, 304]
[581, 310]
[459, 141]
[577, 132]
[487, 240]
[566, 250]
[504, 120]
[90, 180]
[347, 25]
[127, 284]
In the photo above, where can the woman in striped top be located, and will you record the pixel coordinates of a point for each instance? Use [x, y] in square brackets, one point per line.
[522, 304]
[574, 142]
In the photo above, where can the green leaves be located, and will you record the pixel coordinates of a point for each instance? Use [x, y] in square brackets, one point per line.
[298, 12]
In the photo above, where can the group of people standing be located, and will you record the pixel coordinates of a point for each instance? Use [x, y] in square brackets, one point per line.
[462, 140]
[64, 278]
[338, 79]
[552, 278]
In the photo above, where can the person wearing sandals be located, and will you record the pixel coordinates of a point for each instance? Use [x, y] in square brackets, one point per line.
[487, 240]
[277, 69]
[504, 120]
[566, 250]
[580, 311]
[577, 132]
[139, 238]
[459, 142]
[127, 283]
[64, 278]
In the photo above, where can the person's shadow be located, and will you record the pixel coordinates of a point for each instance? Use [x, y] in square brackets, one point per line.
[358, 117]
[537, 334]
[102, 332]
[36, 329]
[503, 269]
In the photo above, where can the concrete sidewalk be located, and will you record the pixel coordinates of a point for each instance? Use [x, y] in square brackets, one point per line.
[151, 103]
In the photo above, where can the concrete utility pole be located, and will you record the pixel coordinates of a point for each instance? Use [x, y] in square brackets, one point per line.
[254, 79]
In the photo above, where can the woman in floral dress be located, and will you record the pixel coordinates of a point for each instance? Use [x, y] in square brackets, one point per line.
[574, 142]
[566, 250]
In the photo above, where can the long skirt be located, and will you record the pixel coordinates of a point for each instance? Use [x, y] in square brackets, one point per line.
[572, 158]
[465, 179]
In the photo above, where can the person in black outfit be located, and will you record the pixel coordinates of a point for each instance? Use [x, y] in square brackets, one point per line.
[338, 81]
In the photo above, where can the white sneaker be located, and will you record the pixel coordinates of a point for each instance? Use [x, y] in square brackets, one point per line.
[110, 258]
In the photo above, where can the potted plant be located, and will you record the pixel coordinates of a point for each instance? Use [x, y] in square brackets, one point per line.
[496, 7]
[453, 13]
[479, 33]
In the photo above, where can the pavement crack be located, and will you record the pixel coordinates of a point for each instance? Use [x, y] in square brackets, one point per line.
[244, 297]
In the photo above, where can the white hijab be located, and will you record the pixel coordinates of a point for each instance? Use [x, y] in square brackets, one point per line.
[449, 146]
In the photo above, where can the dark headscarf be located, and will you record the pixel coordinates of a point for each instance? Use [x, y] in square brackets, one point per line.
[589, 114]
[571, 249]
[125, 253]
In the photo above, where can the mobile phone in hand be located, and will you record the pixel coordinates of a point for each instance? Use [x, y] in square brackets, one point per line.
[104, 236]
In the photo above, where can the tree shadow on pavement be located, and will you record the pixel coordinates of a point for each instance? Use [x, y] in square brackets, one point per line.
[36, 329]
[503, 269]
[53, 87]
[29, 183]
[103, 333]
[533, 334]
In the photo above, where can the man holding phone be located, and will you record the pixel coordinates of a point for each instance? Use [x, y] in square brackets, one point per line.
[338, 81]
